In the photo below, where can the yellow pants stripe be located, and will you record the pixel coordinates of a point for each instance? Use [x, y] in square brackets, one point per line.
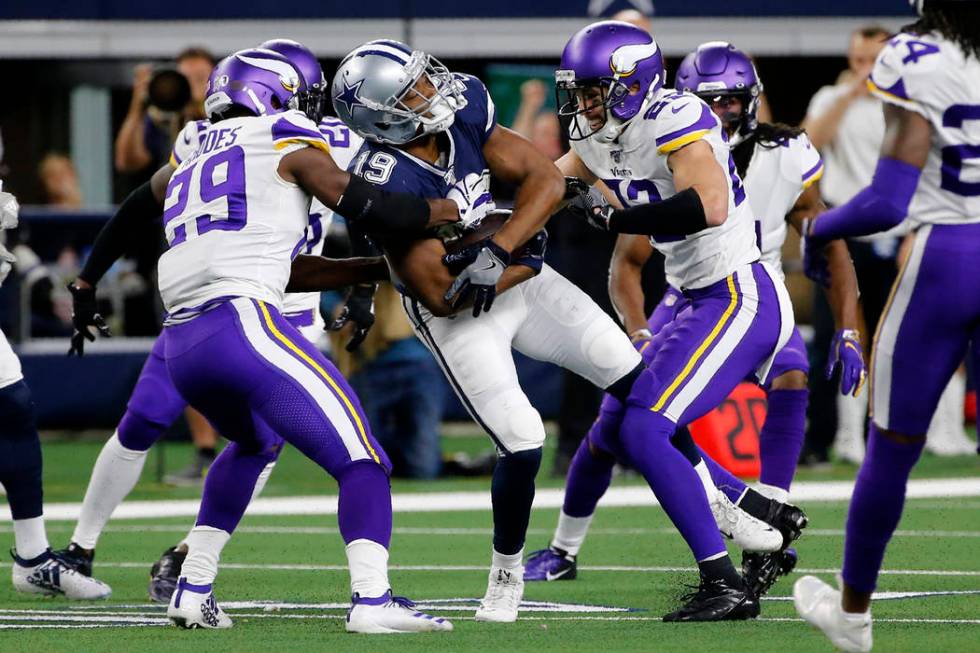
[699, 352]
[326, 377]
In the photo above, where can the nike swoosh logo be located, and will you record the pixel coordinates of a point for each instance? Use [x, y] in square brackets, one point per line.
[490, 267]
[550, 576]
[678, 109]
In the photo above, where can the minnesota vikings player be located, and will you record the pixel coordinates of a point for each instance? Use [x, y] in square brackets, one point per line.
[425, 129]
[665, 155]
[780, 169]
[36, 570]
[233, 215]
[927, 176]
[155, 404]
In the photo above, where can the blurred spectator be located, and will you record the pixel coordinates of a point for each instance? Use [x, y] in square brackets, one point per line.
[633, 17]
[61, 188]
[400, 386]
[145, 138]
[847, 125]
[43, 293]
[542, 128]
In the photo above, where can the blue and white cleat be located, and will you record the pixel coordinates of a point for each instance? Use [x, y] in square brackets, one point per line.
[194, 606]
[50, 575]
[819, 605]
[550, 564]
[391, 614]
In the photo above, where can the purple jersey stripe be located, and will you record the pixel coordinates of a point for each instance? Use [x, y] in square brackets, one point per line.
[283, 129]
[896, 90]
[706, 121]
[301, 319]
[812, 171]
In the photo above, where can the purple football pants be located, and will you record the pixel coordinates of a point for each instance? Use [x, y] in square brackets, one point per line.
[259, 382]
[931, 322]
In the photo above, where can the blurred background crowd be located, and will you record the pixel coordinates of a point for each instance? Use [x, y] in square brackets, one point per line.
[85, 131]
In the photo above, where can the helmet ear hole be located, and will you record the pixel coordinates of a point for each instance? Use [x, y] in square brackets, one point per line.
[276, 104]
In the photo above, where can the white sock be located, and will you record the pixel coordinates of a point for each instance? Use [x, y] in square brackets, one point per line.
[204, 545]
[571, 532]
[116, 472]
[262, 480]
[30, 539]
[705, 475]
[511, 561]
[851, 415]
[368, 563]
[772, 492]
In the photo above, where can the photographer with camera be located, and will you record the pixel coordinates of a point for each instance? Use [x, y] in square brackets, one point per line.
[163, 100]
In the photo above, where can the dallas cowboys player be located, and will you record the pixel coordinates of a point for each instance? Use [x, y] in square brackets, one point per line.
[780, 169]
[234, 213]
[926, 176]
[155, 404]
[665, 156]
[36, 569]
[427, 128]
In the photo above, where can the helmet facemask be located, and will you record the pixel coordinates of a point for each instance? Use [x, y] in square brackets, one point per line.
[430, 101]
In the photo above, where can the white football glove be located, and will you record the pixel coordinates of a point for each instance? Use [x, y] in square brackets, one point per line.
[7, 261]
[472, 196]
[9, 210]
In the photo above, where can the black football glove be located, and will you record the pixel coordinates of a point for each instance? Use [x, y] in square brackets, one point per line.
[84, 314]
[531, 253]
[359, 310]
[586, 202]
[481, 265]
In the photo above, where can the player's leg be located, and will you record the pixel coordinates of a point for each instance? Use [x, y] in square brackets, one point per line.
[35, 569]
[921, 340]
[475, 355]
[732, 328]
[154, 405]
[292, 391]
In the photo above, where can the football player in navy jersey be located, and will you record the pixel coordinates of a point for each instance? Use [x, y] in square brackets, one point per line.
[434, 133]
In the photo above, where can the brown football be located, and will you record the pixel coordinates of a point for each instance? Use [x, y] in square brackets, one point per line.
[490, 225]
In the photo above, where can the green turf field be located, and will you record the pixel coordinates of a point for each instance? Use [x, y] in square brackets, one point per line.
[286, 574]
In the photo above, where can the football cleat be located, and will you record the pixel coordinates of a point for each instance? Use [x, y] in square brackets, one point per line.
[550, 564]
[164, 575]
[749, 533]
[505, 590]
[391, 614]
[819, 605]
[788, 519]
[194, 606]
[77, 558]
[49, 575]
[717, 600]
[762, 570]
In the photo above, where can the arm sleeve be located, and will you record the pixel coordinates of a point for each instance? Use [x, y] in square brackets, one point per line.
[135, 213]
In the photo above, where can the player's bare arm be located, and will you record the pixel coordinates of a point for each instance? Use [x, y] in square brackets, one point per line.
[842, 293]
[512, 158]
[318, 273]
[625, 281]
[355, 199]
[695, 167]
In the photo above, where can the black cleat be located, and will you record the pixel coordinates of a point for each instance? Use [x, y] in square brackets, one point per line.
[77, 558]
[762, 570]
[164, 575]
[717, 600]
[785, 517]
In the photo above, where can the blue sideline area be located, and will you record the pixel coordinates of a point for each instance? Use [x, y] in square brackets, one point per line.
[91, 392]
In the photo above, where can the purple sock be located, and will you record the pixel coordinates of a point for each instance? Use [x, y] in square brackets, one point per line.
[229, 485]
[876, 507]
[782, 436]
[588, 479]
[364, 510]
[732, 486]
[645, 436]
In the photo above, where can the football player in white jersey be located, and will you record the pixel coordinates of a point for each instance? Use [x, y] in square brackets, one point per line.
[36, 570]
[666, 157]
[927, 176]
[780, 170]
[233, 216]
[155, 404]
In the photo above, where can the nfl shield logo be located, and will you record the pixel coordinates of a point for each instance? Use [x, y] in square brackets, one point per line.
[617, 156]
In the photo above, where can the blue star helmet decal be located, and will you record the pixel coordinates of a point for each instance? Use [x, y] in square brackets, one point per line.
[349, 96]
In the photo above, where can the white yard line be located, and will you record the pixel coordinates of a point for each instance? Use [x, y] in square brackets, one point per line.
[804, 491]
